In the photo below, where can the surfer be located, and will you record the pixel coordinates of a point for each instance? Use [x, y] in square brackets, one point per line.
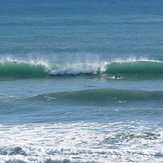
[117, 77]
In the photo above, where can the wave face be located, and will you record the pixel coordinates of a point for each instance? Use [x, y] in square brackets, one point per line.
[135, 69]
[14, 69]
[140, 69]
[101, 96]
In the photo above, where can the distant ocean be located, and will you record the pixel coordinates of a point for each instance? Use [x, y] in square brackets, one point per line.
[81, 81]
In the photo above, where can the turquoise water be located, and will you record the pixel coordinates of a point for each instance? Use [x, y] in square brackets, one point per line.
[81, 81]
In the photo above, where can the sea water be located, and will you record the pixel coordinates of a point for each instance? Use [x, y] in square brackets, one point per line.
[81, 81]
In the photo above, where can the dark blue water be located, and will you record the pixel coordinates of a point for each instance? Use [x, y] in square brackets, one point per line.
[81, 81]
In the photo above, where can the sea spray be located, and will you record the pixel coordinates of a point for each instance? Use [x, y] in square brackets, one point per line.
[78, 68]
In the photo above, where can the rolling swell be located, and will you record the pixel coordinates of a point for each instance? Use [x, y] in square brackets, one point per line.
[98, 96]
[132, 70]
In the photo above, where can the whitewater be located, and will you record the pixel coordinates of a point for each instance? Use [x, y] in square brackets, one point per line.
[81, 81]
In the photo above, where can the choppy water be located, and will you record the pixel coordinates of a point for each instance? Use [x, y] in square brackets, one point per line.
[81, 81]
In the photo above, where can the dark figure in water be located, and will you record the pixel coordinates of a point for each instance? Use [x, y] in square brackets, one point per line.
[117, 77]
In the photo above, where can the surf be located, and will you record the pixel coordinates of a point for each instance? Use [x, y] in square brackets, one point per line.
[118, 69]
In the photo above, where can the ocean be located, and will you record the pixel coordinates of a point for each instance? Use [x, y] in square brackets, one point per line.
[81, 81]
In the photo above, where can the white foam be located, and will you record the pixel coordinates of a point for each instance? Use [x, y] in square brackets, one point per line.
[134, 59]
[83, 142]
[77, 68]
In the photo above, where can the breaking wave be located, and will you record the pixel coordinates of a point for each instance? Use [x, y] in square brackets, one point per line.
[119, 69]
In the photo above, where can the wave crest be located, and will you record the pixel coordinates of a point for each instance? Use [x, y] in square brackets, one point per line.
[123, 69]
